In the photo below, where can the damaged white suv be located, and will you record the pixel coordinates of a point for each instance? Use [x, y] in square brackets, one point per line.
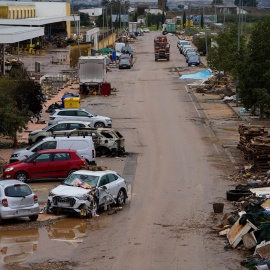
[86, 191]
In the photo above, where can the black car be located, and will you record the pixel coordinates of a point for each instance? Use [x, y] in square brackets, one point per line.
[124, 63]
[194, 60]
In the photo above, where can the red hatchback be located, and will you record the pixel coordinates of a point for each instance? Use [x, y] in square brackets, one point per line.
[45, 164]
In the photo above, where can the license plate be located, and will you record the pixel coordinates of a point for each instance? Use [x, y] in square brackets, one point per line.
[23, 212]
[60, 204]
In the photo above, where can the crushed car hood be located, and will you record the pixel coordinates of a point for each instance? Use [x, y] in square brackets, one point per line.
[69, 191]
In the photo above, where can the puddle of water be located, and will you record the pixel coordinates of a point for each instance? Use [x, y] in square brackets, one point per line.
[35, 245]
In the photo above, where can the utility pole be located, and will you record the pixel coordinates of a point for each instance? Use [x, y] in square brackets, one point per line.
[103, 29]
[224, 10]
[238, 47]
[107, 25]
[215, 20]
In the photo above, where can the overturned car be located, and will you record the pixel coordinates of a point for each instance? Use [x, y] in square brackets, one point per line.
[84, 192]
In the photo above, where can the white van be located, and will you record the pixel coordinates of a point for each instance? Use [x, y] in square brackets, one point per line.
[118, 46]
[83, 144]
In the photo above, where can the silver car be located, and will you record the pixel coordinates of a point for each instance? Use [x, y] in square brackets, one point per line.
[17, 200]
[76, 114]
[62, 126]
[86, 190]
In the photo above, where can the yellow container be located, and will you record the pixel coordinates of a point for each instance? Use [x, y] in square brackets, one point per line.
[72, 102]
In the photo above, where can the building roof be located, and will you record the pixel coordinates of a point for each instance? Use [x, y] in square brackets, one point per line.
[38, 20]
[12, 34]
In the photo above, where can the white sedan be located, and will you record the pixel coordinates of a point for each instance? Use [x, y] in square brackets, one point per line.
[86, 191]
[146, 30]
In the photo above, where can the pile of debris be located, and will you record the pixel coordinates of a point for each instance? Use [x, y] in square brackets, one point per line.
[248, 227]
[255, 146]
[216, 84]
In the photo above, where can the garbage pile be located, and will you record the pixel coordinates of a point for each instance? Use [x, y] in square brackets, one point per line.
[216, 84]
[247, 227]
[255, 146]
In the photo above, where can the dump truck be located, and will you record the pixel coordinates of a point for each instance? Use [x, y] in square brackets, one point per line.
[92, 73]
[162, 48]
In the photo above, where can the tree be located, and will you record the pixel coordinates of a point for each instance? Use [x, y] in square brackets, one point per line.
[84, 18]
[163, 17]
[180, 6]
[149, 19]
[217, 2]
[99, 21]
[184, 19]
[201, 45]
[254, 70]
[246, 3]
[22, 100]
[202, 21]
[223, 53]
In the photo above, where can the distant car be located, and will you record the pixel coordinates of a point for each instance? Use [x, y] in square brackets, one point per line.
[78, 114]
[45, 164]
[185, 48]
[140, 32]
[128, 56]
[87, 189]
[17, 200]
[124, 63]
[127, 50]
[146, 30]
[194, 60]
[62, 126]
[190, 53]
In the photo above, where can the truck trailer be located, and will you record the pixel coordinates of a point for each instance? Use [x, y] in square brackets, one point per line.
[92, 73]
[132, 27]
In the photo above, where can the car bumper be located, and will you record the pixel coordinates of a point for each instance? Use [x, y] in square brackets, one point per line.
[72, 205]
[7, 213]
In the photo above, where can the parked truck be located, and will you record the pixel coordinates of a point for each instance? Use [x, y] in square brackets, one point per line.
[162, 48]
[168, 28]
[92, 73]
[132, 27]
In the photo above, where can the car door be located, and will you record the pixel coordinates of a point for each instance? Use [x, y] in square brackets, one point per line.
[40, 167]
[104, 181]
[61, 164]
[69, 115]
[114, 184]
[60, 128]
[83, 116]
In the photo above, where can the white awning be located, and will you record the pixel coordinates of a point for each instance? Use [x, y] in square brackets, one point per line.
[38, 21]
[13, 34]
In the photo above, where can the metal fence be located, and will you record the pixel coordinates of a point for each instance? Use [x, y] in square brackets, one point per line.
[52, 83]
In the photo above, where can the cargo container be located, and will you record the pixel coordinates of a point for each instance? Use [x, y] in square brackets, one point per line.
[132, 27]
[92, 73]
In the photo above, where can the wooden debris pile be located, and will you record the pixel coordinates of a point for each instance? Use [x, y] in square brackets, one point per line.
[255, 146]
[94, 168]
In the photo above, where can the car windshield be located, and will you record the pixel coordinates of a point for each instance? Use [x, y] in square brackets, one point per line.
[46, 128]
[18, 191]
[77, 180]
[124, 60]
[31, 158]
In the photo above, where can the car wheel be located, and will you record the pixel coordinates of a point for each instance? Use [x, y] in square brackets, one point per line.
[33, 218]
[39, 139]
[71, 171]
[21, 176]
[121, 197]
[99, 125]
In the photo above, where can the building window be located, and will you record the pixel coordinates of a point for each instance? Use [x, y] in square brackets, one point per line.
[13, 13]
[18, 13]
[9, 14]
[21, 13]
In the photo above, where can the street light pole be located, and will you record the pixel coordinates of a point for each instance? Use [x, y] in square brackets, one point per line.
[238, 47]
[103, 29]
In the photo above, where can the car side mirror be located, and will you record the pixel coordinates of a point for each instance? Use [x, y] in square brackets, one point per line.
[104, 187]
[34, 161]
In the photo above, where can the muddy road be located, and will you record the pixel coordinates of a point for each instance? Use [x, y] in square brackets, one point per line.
[174, 176]
[167, 225]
